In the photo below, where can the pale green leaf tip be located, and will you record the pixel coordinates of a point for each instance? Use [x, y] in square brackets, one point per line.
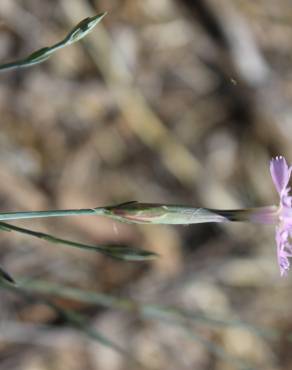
[129, 254]
[102, 15]
[96, 19]
[83, 28]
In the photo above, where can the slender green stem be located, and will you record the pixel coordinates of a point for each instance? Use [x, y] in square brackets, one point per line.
[148, 213]
[8, 216]
[117, 251]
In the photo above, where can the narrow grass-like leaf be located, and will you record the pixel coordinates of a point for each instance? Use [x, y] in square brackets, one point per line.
[80, 323]
[150, 311]
[168, 315]
[75, 320]
[120, 252]
[39, 56]
[6, 276]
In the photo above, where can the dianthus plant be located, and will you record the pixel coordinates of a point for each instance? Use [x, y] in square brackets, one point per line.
[148, 213]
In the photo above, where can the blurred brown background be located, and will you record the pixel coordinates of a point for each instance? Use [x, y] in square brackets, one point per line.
[165, 101]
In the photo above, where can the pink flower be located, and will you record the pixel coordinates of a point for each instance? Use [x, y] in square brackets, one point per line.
[281, 175]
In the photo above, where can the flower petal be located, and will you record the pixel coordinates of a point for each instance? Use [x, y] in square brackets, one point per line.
[282, 236]
[280, 173]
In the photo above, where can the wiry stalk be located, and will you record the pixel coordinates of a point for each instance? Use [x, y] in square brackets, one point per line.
[117, 251]
[148, 213]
